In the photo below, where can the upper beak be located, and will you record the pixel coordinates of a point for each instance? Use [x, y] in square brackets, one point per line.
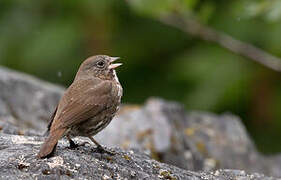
[113, 66]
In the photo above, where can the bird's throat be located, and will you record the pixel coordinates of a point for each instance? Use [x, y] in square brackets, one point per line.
[115, 76]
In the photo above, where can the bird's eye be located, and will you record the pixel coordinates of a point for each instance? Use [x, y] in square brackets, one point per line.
[100, 64]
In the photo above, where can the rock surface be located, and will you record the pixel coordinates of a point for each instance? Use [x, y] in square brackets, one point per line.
[25, 101]
[190, 140]
[196, 141]
[18, 161]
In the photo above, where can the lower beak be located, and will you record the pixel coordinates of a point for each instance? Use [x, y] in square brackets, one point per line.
[113, 66]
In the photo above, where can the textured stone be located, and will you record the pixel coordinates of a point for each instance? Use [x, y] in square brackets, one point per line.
[25, 101]
[164, 130]
[190, 140]
[18, 161]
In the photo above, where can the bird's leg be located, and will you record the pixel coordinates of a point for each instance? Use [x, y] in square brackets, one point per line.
[100, 149]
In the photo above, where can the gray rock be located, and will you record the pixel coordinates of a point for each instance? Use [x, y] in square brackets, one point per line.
[9, 128]
[25, 101]
[193, 140]
[18, 161]
[190, 140]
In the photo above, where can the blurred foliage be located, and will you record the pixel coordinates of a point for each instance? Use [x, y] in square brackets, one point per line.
[50, 39]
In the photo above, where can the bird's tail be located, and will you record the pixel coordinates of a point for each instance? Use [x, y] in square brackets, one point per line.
[50, 143]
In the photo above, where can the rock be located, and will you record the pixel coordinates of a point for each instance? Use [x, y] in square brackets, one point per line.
[196, 141]
[193, 140]
[18, 161]
[25, 101]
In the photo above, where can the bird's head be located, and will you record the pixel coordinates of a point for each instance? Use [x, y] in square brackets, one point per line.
[100, 66]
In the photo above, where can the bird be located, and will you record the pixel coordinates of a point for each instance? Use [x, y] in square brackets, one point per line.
[87, 106]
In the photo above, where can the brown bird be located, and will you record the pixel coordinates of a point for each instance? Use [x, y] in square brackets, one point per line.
[87, 106]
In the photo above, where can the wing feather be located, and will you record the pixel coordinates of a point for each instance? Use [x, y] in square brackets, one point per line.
[74, 108]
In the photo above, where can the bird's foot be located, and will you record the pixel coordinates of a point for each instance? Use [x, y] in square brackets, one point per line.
[102, 150]
[73, 145]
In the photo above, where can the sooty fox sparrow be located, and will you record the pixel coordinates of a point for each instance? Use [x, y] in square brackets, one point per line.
[88, 105]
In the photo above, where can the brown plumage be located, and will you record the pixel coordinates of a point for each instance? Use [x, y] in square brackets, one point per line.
[88, 105]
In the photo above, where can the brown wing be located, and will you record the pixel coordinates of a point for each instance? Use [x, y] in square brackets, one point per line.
[82, 100]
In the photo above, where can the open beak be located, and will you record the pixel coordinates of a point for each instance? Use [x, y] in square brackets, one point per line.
[113, 66]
